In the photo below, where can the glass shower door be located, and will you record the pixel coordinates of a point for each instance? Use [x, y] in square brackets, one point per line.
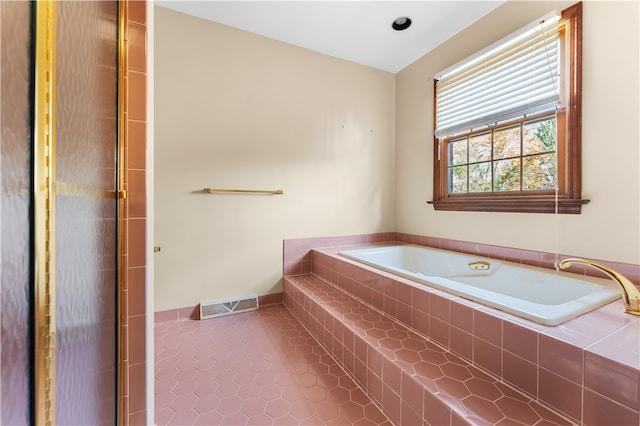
[15, 207]
[80, 217]
[86, 211]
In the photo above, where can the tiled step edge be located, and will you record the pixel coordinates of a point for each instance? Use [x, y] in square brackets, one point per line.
[410, 378]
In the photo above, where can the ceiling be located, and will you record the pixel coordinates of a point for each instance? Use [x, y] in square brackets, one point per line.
[358, 31]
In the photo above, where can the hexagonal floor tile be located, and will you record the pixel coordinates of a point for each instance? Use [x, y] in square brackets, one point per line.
[256, 368]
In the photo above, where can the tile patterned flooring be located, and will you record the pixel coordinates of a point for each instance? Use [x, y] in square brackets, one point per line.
[256, 368]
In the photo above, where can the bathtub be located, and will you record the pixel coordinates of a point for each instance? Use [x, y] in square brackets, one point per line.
[544, 296]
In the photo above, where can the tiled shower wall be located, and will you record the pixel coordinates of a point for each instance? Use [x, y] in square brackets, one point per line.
[134, 265]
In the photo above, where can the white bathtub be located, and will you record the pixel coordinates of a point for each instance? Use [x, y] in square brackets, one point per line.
[541, 295]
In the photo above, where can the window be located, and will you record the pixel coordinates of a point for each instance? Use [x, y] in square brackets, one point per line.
[508, 134]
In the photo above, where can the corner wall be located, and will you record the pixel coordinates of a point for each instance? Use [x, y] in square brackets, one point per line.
[609, 226]
[134, 316]
[237, 110]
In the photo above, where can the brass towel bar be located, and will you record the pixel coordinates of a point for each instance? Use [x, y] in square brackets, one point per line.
[243, 191]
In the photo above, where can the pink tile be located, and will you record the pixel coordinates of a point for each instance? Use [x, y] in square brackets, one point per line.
[164, 399]
[205, 389]
[361, 348]
[602, 411]
[420, 321]
[207, 404]
[487, 327]
[138, 418]
[517, 410]
[483, 409]
[435, 411]
[451, 387]
[390, 306]
[520, 373]
[361, 372]
[187, 417]
[374, 361]
[211, 418]
[559, 392]
[137, 339]
[392, 404]
[404, 314]
[168, 315]
[326, 410]
[405, 294]
[484, 387]
[502, 253]
[375, 387]
[377, 300]
[136, 290]
[520, 341]
[461, 343]
[458, 420]
[487, 356]
[560, 357]
[460, 246]
[530, 257]
[439, 307]
[411, 393]
[612, 380]
[391, 376]
[390, 288]
[270, 299]
[185, 387]
[226, 401]
[462, 316]
[409, 415]
[234, 419]
[183, 402]
[421, 299]
[623, 346]
[603, 321]
[277, 408]
[364, 292]
[439, 331]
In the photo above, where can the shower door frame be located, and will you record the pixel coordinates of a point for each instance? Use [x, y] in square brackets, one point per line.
[44, 192]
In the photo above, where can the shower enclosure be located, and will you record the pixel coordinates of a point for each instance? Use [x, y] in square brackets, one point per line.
[59, 212]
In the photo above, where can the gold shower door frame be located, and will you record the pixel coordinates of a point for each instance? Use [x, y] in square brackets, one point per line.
[45, 189]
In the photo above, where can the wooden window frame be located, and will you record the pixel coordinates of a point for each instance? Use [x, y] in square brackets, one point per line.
[568, 199]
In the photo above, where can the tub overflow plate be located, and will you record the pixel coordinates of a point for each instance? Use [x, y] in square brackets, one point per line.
[479, 266]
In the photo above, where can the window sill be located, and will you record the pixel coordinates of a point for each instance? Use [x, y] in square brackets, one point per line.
[513, 205]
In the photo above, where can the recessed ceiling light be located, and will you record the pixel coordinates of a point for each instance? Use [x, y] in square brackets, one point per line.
[402, 23]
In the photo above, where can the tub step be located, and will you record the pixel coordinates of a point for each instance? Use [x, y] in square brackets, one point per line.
[412, 379]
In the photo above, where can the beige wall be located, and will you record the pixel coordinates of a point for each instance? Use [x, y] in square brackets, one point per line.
[236, 110]
[608, 228]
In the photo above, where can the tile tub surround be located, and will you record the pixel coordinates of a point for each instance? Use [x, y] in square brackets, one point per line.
[297, 252]
[587, 368]
[413, 380]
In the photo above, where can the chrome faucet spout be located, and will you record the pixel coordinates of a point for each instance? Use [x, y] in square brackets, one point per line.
[630, 294]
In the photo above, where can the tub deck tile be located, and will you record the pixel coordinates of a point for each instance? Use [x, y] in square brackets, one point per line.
[460, 390]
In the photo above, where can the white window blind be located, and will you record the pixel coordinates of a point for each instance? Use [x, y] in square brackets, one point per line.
[517, 75]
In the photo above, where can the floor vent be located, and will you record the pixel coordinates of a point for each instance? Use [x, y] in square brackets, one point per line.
[228, 307]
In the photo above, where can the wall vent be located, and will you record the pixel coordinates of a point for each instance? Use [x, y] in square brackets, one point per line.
[227, 307]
